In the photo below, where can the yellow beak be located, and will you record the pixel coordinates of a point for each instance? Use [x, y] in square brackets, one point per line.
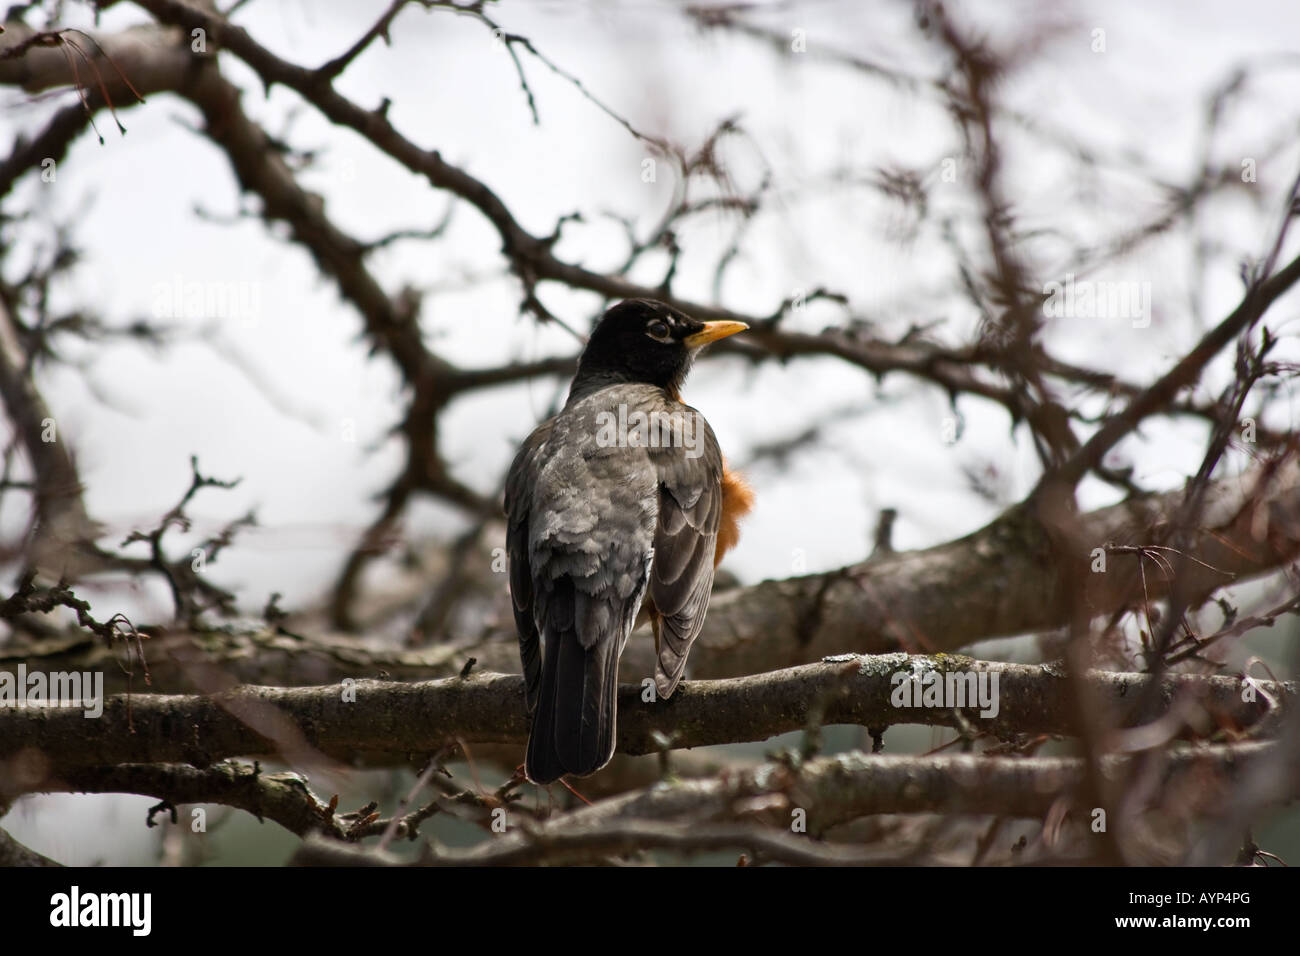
[713, 331]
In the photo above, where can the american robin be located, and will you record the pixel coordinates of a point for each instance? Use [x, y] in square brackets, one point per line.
[621, 500]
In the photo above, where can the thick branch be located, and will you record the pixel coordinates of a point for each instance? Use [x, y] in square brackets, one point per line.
[999, 581]
[386, 722]
[281, 797]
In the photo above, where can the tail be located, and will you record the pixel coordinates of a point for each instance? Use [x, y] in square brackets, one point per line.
[574, 724]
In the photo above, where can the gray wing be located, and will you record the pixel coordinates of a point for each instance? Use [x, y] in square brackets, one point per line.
[681, 579]
[519, 481]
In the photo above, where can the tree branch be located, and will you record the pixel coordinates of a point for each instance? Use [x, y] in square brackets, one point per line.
[384, 722]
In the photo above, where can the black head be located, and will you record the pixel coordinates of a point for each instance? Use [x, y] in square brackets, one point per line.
[644, 341]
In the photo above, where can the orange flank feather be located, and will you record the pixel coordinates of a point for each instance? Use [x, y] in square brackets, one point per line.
[737, 501]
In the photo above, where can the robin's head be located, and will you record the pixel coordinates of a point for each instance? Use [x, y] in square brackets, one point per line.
[641, 340]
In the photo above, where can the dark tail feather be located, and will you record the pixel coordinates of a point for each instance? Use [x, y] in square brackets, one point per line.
[541, 762]
[574, 724]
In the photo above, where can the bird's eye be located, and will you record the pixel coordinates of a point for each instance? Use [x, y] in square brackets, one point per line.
[658, 330]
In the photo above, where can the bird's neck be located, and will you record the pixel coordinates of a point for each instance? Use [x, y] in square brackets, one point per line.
[590, 381]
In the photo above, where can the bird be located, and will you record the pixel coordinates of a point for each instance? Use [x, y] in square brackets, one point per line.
[618, 509]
